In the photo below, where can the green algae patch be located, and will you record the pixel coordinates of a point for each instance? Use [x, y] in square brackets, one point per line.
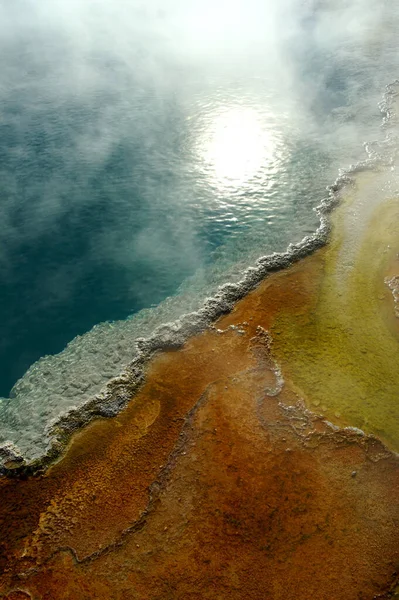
[341, 351]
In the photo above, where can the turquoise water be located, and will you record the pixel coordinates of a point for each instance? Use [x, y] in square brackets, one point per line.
[150, 154]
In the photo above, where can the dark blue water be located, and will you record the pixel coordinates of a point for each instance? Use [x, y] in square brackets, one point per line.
[67, 219]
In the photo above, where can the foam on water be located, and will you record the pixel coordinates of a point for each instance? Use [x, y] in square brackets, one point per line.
[99, 372]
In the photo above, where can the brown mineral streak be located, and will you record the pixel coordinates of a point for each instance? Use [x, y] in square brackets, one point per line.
[205, 486]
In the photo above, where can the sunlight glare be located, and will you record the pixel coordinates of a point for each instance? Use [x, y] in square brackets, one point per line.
[236, 145]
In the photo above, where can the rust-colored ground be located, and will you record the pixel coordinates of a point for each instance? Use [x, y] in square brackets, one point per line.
[213, 483]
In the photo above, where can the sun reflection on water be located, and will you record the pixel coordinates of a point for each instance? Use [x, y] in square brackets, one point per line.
[235, 145]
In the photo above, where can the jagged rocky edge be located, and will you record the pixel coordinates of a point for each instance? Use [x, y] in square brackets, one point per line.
[119, 390]
[393, 284]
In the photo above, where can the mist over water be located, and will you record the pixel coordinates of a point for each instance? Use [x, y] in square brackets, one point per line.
[150, 152]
